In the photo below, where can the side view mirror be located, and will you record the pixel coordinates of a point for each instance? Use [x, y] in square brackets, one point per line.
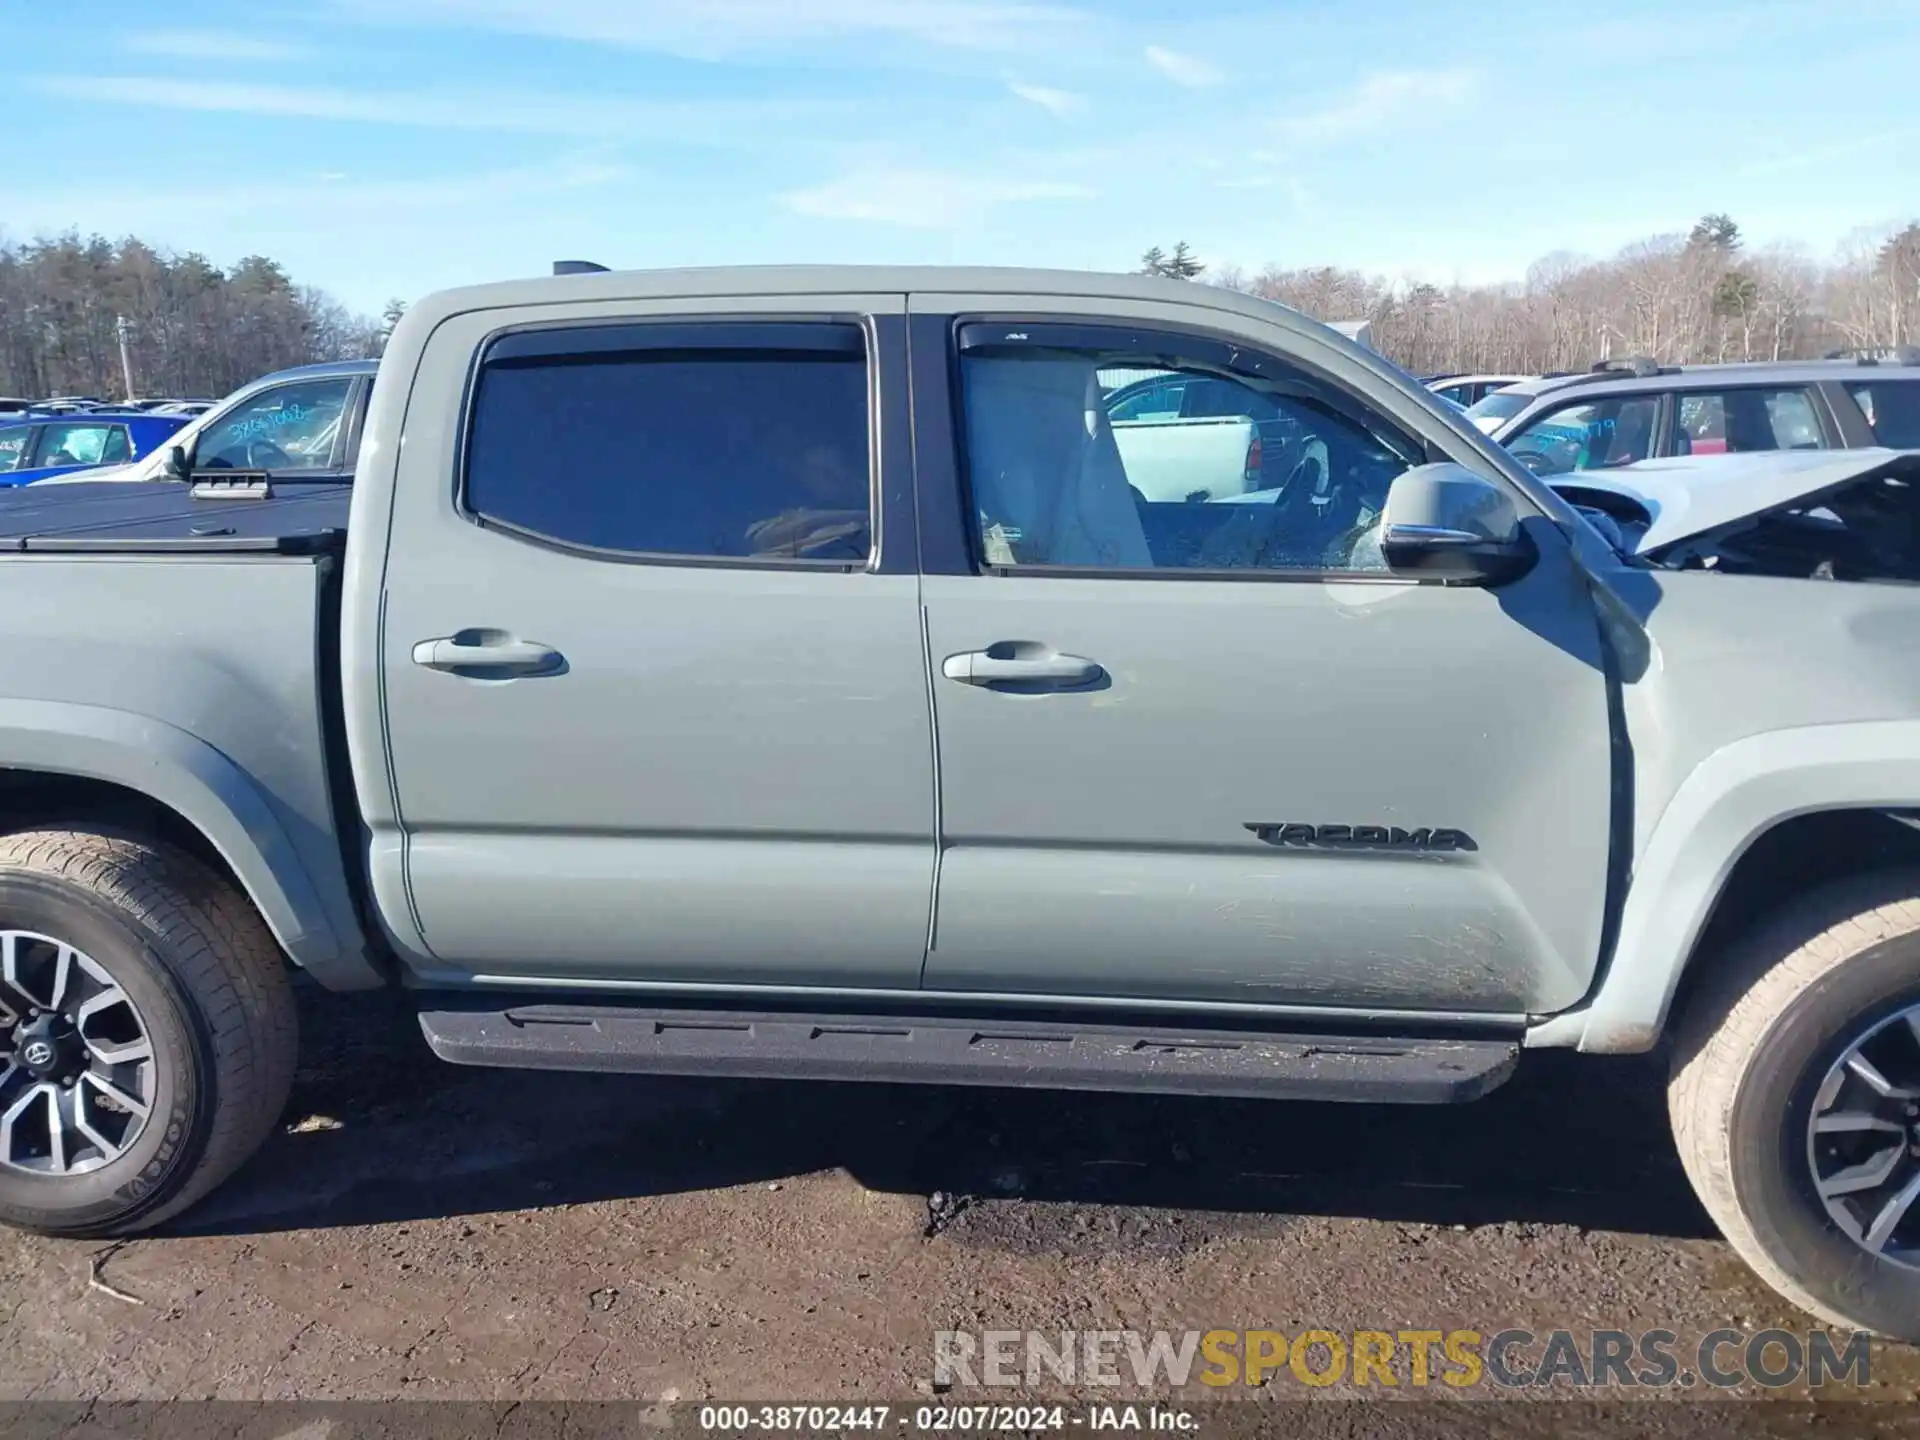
[1443, 522]
[178, 466]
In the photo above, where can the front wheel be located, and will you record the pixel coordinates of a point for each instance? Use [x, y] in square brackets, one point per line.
[1795, 1102]
[147, 1033]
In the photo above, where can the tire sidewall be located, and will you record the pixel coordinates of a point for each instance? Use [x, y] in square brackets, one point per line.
[1768, 1126]
[184, 1075]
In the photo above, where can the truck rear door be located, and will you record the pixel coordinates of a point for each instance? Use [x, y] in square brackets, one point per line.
[654, 682]
[1214, 752]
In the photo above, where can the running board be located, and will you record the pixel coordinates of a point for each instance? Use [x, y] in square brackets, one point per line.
[1012, 1052]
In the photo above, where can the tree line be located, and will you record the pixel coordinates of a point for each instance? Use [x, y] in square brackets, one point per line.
[190, 328]
[1695, 298]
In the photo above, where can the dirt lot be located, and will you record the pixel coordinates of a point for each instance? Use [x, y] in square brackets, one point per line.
[425, 1231]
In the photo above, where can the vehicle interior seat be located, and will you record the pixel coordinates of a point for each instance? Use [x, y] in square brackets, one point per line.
[1748, 426]
[1047, 472]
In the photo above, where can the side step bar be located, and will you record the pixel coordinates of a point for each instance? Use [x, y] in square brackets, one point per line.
[1005, 1051]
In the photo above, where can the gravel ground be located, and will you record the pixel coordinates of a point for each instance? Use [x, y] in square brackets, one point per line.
[422, 1231]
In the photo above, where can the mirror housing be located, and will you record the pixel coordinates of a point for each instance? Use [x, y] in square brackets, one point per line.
[178, 467]
[1444, 522]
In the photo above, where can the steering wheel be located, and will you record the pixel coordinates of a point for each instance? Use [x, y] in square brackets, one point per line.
[1538, 461]
[265, 455]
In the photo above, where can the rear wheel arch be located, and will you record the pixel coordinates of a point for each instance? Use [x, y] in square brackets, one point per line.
[95, 756]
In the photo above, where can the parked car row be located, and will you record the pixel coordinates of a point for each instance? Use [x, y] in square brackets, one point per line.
[1626, 413]
[303, 421]
[43, 446]
[1197, 438]
[12, 405]
[1219, 440]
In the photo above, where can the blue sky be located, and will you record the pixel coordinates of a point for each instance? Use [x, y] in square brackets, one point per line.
[389, 147]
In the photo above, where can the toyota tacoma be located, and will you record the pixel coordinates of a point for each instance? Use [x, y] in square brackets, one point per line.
[773, 672]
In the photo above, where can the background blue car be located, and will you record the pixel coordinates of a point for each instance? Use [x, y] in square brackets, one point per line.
[33, 447]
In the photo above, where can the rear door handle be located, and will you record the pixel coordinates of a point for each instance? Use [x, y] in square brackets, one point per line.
[488, 654]
[1020, 663]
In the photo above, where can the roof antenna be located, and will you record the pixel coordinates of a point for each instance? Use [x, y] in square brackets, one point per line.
[578, 267]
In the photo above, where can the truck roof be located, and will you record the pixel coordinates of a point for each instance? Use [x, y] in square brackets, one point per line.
[851, 280]
[319, 370]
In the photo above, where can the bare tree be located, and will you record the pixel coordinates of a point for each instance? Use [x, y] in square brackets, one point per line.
[1692, 297]
[191, 328]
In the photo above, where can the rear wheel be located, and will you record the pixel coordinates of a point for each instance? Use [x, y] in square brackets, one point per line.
[1796, 1102]
[147, 1033]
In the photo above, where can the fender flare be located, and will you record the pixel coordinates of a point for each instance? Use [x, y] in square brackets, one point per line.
[1728, 801]
[206, 789]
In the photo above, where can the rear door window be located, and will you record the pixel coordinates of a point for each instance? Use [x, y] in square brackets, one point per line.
[64, 446]
[1722, 422]
[724, 441]
[16, 444]
[1892, 408]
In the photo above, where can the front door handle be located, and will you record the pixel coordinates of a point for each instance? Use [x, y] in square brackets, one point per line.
[1019, 663]
[488, 655]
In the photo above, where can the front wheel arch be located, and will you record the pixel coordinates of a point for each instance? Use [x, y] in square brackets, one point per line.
[1716, 819]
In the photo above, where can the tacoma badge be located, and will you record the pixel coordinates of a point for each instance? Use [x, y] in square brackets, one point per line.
[1358, 837]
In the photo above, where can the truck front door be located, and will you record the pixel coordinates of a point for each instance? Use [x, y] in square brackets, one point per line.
[1211, 750]
[656, 708]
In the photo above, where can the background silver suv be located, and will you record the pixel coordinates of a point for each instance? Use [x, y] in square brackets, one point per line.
[1635, 410]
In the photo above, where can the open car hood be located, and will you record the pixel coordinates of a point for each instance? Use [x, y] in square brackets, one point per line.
[1657, 504]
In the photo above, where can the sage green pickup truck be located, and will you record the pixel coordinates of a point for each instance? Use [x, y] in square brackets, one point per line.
[774, 672]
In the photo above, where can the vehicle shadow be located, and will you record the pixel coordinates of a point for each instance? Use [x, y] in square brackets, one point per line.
[380, 1131]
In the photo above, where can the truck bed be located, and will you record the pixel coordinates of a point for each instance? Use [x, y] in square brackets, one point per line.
[296, 518]
[194, 638]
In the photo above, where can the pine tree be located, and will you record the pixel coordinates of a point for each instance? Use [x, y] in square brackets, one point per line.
[1183, 264]
[1717, 231]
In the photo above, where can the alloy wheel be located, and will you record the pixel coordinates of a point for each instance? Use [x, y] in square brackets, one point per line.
[76, 1060]
[1863, 1139]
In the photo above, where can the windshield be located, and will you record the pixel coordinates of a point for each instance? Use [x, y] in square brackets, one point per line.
[1501, 405]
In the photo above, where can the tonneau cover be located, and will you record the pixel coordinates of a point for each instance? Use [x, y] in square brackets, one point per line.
[299, 517]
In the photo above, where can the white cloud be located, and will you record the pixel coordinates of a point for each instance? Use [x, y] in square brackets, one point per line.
[710, 28]
[1060, 102]
[1188, 70]
[922, 199]
[207, 45]
[1380, 99]
[540, 114]
[177, 215]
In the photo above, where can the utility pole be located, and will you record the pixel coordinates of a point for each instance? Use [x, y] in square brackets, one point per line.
[120, 329]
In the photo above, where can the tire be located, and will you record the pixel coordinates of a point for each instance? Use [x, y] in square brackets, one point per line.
[206, 981]
[1778, 1012]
